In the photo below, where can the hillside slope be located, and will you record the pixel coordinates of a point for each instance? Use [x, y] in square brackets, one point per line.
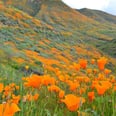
[97, 31]
[104, 18]
[28, 39]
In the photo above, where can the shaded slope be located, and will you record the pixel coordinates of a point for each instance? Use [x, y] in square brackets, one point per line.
[29, 6]
[110, 21]
[109, 47]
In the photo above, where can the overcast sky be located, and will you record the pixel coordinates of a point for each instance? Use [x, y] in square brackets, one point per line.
[104, 5]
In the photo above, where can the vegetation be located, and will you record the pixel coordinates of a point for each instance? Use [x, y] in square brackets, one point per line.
[51, 65]
[90, 93]
[105, 18]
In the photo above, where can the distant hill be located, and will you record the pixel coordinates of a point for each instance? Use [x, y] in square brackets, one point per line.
[98, 15]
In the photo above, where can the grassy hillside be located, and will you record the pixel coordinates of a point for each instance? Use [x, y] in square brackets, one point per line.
[104, 18]
[29, 39]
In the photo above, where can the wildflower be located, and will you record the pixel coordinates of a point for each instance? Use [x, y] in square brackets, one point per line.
[46, 80]
[107, 71]
[17, 87]
[86, 79]
[114, 88]
[12, 85]
[35, 97]
[8, 109]
[89, 71]
[76, 67]
[113, 79]
[61, 78]
[34, 81]
[61, 94]
[101, 63]
[101, 76]
[91, 96]
[7, 90]
[100, 89]
[82, 90]
[1, 87]
[107, 84]
[95, 71]
[53, 88]
[94, 84]
[73, 102]
[83, 63]
[26, 67]
[15, 99]
[73, 85]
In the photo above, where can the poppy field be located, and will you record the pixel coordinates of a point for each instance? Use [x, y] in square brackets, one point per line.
[89, 91]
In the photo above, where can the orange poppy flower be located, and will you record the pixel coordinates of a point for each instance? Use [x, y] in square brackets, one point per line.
[83, 63]
[61, 94]
[115, 88]
[61, 78]
[86, 79]
[107, 71]
[95, 71]
[53, 88]
[82, 90]
[1, 87]
[8, 109]
[17, 87]
[73, 102]
[35, 97]
[12, 85]
[91, 96]
[100, 89]
[101, 63]
[106, 84]
[76, 67]
[89, 71]
[46, 80]
[112, 79]
[34, 81]
[73, 85]
[15, 99]
[94, 84]
[7, 90]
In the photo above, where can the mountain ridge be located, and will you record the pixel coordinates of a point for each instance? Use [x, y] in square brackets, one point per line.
[98, 15]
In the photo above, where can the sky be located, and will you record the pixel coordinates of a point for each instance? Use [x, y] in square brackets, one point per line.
[104, 5]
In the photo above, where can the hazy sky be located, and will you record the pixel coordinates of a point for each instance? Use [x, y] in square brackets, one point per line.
[105, 5]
